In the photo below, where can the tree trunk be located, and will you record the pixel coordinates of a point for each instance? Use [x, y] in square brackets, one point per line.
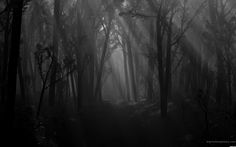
[22, 82]
[131, 69]
[79, 92]
[220, 88]
[43, 89]
[229, 75]
[168, 68]
[5, 58]
[160, 64]
[13, 63]
[150, 79]
[73, 89]
[150, 91]
[52, 89]
[126, 75]
[229, 79]
[98, 93]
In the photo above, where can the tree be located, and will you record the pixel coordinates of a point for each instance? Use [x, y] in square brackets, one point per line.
[98, 88]
[106, 25]
[13, 63]
[168, 35]
[52, 89]
[44, 56]
[5, 52]
[222, 30]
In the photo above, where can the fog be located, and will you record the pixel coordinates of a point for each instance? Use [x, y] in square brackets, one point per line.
[118, 72]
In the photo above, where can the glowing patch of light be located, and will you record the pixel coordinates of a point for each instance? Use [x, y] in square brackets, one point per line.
[143, 30]
[125, 4]
[126, 28]
[198, 47]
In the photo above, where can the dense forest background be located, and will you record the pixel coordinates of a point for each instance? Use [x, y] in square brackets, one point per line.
[118, 72]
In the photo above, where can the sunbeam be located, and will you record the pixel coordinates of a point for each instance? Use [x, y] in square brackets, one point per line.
[117, 73]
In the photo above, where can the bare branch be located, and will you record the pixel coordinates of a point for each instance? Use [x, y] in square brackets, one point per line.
[59, 79]
[188, 25]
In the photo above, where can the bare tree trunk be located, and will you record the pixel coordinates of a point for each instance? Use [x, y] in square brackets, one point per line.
[26, 64]
[22, 82]
[126, 74]
[79, 91]
[98, 88]
[229, 78]
[229, 75]
[43, 90]
[52, 89]
[131, 69]
[150, 91]
[168, 67]
[73, 88]
[13, 63]
[221, 89]
[160, 64]
[150, 80]
[5, 58]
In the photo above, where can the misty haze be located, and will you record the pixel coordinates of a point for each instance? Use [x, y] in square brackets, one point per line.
[117, 73]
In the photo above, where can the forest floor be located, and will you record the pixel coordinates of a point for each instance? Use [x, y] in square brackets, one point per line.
[141, 125]
[124, 125]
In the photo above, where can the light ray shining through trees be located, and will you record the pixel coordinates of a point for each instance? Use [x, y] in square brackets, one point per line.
[119, 73]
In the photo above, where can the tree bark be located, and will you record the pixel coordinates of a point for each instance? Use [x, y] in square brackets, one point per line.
[73, 88]
[79, 91]
[13, 63]
[43, 89]
[229, 79]
[160, 64]
[98, 93]
[52, 89]
[5, 58]
[131, 69]
[126, 75]
[150, 91]
[221, 83]
[168, 68]
[22, 82]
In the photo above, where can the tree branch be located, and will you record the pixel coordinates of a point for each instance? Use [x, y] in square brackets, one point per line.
[54, 82]
[188, 25]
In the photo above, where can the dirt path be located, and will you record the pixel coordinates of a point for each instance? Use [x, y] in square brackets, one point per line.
[107, 126]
